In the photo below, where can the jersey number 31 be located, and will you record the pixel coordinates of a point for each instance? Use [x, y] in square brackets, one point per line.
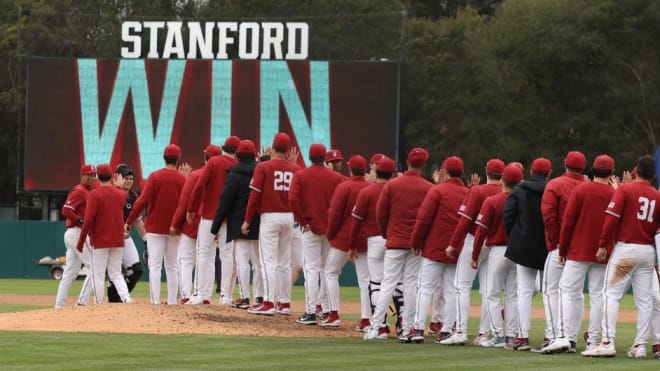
[646, 209]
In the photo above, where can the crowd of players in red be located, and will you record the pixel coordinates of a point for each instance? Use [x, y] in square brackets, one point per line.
[415, 244]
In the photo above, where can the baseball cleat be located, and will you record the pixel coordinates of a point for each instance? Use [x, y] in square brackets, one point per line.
[194, 300]
[184, 301]
[508, 342]
[656, 351]
[521, 344]
[377, 333]
[637, 351]
[559, 345]
[442, 336]
[457, 338]
[266, 308]
[241, 303]
[537, 349]
[404, 337]
[307, 319]
[495, 342]
[416, 336]
[128, 300]
[332, 320]
[480, 340]
[363, 326]
[435, 328]
[284, 309]
[225, 301]
[602, 350]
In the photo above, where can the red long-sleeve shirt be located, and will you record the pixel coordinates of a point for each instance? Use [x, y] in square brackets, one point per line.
[161, 195]
[364, 213]
[206, 192]
[553, 205]
[339, 215]
[104, 218]
[310, 195]
[269, 187]
[469, 211]
[74, 207]
[633, 215]
[179, 221]
[490, 227]
[397, 207]
[583, 221]
[437, 218]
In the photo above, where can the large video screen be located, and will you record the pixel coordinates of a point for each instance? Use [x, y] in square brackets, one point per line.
[112, 111]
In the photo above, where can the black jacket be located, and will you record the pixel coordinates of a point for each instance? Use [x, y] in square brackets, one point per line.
[233, 202]
[523, 221]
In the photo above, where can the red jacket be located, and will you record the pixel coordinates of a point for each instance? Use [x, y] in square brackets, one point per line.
[583, 221]
[161, 194]
[553, 205]
[310, 195]
[490, 227]
[104, 218]
[364, 213]
[437, 218]
[397, 207]
[208, 188]
[339, 215]
[74, 207]
[469, 211]
[179, 220]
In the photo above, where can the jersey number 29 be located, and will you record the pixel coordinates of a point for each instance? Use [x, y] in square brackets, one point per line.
[282, 180]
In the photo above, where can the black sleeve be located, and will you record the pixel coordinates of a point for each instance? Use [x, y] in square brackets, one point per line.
[510, 213]
[227, 199]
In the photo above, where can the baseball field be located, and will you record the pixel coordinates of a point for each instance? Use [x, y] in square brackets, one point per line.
[143, 336]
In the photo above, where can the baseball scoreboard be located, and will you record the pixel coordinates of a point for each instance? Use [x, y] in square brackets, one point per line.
[127, 110]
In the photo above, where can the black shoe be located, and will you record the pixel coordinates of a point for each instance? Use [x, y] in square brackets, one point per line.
[307, 319]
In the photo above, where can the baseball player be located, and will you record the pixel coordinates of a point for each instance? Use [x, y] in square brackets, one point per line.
[628, 238]
[131, 266]
[396, 211]
[160, 196]
[553, 205]
[373, 166]
[74, 212]
[334, 160]
[206, 195]
[464, 231]
[436, 220]
[364, 222]
[339, 227]
[523, 222]
[310, 195]
[578, 243]
[103, 221]
[269, 196]
[501, 272]
[231, 208]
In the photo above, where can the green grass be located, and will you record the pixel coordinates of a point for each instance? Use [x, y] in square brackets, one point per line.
[66, 351]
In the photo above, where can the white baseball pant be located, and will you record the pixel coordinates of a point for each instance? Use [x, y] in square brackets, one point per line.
[187, 254]
[376, 260]
[571, 298]
[526, 279]
[275, 233]
[655, 322]
[163, 247]
[130, 255]
[336, 260]
[399, 264]
[247, 251]
[463, 282]
[108, 259]
[227, 266]
[315, 253]
[551, 276]
[296, 254]
[629, 263]
[431, 275]
[438, 305]
[74, 259]
[205, 266]
[502, 277]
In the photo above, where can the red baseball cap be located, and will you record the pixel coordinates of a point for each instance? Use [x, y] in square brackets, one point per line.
[495, 165]
[104, 169]
[316, 150]
[376, 157]
[282, 140]
[520, 165]
[172, 151]
[454, 163]
[604, 162]
[245, 147]
[87, 169]
[232, 141]
[357, 162]
[333, 155]
[575, 160]
[386, 165]
[212, 150]
[417, 157]
[541, 166]
[512, 173]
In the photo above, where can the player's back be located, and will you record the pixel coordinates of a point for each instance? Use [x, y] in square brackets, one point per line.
[273, 179]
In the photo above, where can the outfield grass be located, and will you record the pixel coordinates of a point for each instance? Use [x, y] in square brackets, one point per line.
[66, 351]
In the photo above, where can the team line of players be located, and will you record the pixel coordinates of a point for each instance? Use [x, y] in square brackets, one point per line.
[410, 240]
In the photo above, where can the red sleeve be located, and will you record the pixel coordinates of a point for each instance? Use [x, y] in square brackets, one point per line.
[425, 216]
[198, 189]
[550, 211]
[358, 215]
[568, 224]
[88, 223]
[295, 192]
[336, 211]
[256, 185]
[71, 208]
[479, 239]
[612, 219]
[484, 220]
[142, 201]
[180, 214]
[383, 210]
